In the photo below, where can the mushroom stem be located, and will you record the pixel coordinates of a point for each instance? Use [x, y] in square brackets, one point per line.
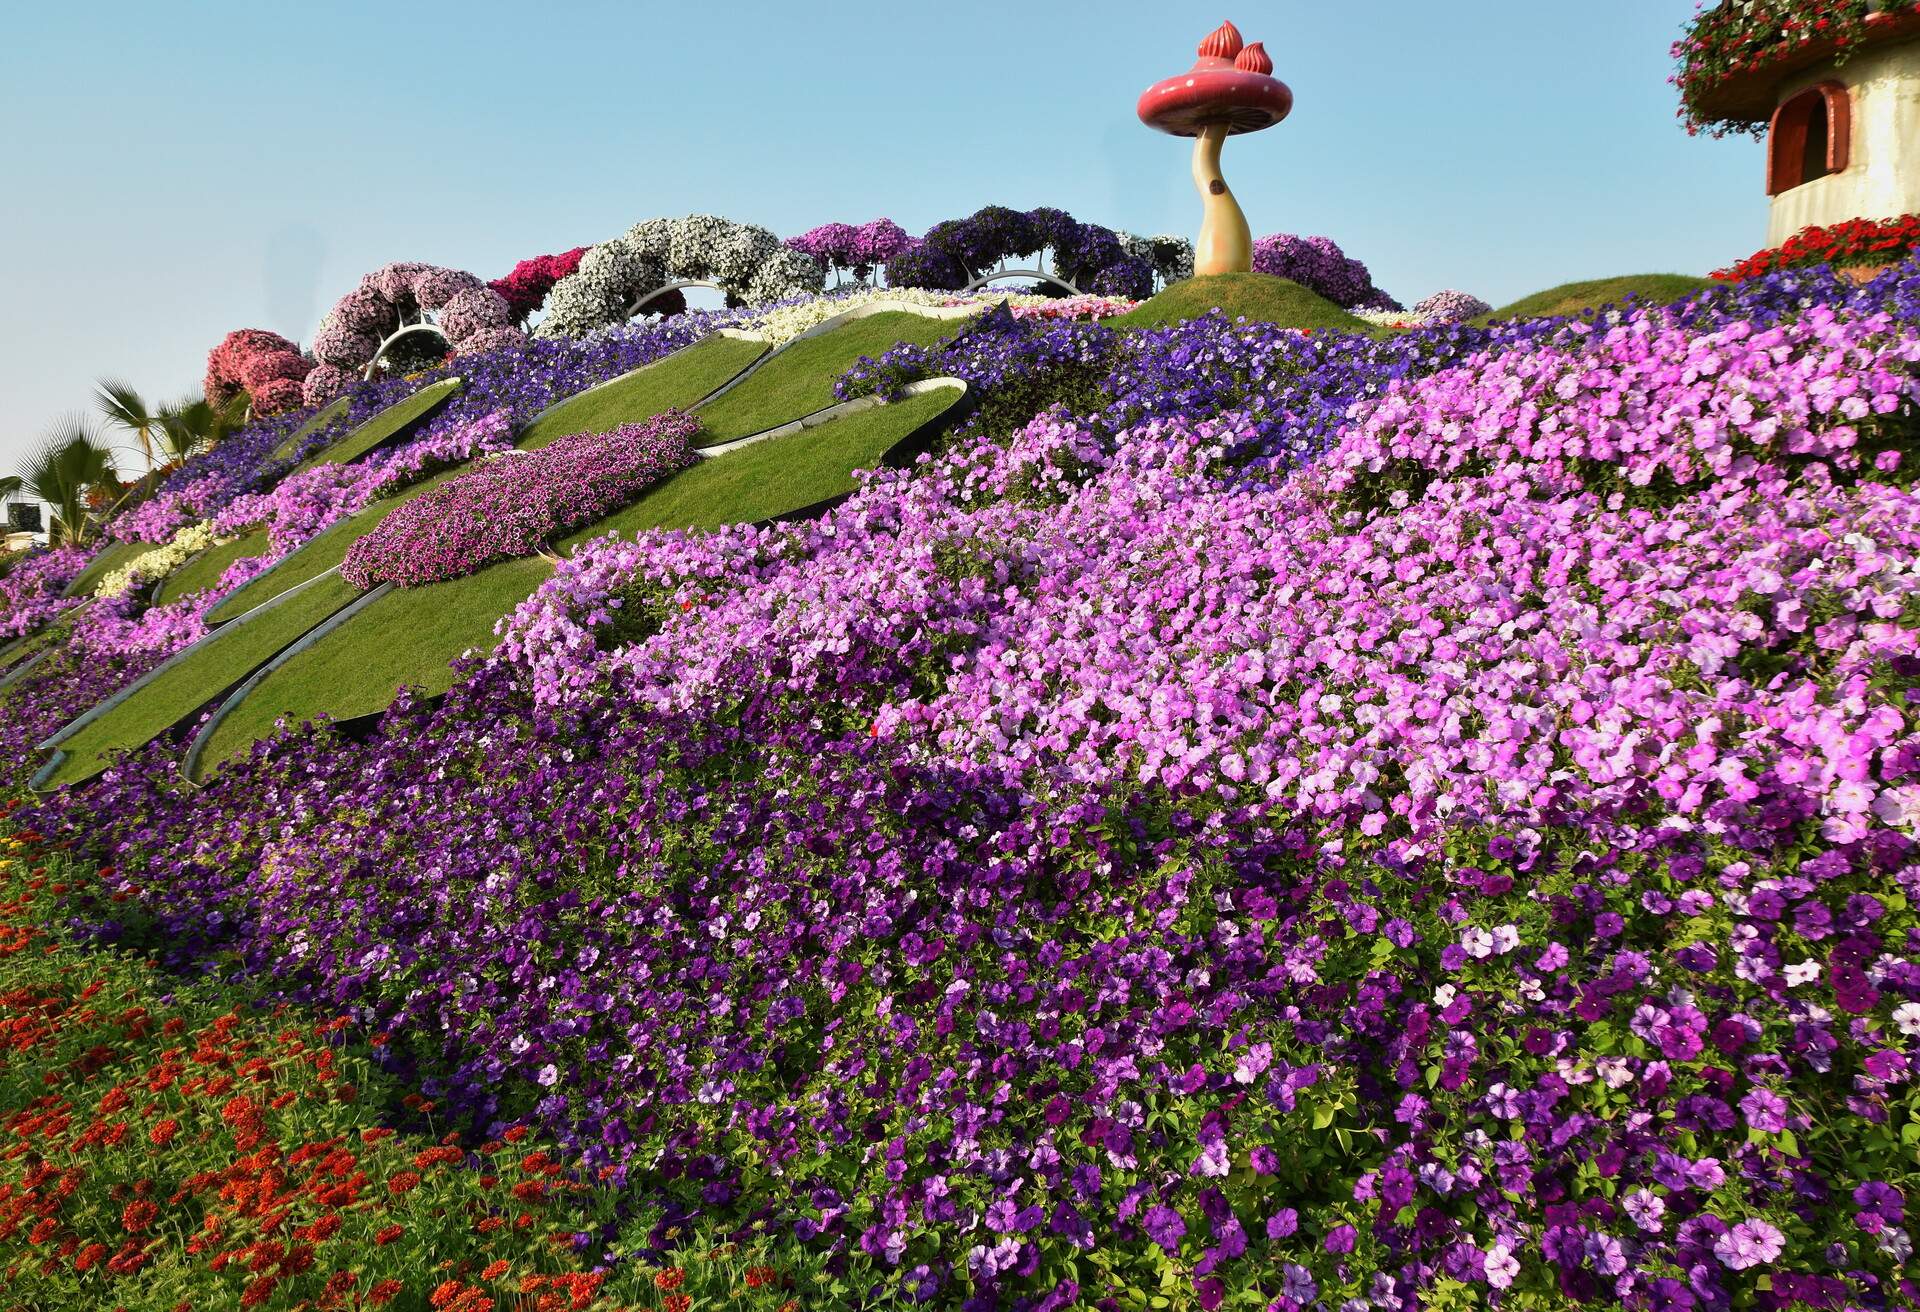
[1226, 243]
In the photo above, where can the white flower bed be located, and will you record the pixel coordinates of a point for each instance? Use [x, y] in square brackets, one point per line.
[161, 561]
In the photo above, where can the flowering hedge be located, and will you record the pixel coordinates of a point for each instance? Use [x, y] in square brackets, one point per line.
[515, 503]
[1318, 264]
[1737, 37]
[472, 316]
[1855, 243]
[748, 261]
[265, 365]
[525, 287]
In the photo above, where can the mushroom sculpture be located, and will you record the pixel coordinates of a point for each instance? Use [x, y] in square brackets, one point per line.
[1229, 90]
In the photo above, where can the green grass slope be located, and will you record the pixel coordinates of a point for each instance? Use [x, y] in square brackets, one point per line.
[220, 662]
[410, 635]
[799, 380]
[326, 414]
[109, 559]
[678, 380]
[391, 422]
[205, 569]
[1580, 297]
[1256, 296]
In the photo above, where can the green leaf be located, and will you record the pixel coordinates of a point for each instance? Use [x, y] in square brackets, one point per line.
[1323, 1116]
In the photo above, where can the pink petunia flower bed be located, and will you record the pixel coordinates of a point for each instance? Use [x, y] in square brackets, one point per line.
[516, 502]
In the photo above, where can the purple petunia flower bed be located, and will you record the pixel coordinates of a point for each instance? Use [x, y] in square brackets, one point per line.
[1253, 820]
[516, 502]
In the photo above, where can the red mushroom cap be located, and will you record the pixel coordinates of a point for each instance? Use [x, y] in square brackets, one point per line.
[1229, 84]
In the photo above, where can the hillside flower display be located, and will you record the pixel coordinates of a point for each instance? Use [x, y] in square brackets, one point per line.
[301, 505]
[515, 502]
[1252, 818]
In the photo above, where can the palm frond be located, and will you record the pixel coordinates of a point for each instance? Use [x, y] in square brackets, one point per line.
[122, 406]
[69, 463]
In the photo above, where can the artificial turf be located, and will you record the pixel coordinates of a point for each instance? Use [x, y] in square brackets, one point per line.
[1581, 297]
[394, 421]
[218, 663]
[799, 380]
[326, 414]
[678, 380]
[410, 635]
[1256, 296]
[106, 561]
[205, 569]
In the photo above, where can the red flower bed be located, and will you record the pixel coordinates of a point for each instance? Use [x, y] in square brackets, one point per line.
[1855, 242]
[156, 1136]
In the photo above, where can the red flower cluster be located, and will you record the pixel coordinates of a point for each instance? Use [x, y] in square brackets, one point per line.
[266, 365]
[1855, 242]
[525, 288]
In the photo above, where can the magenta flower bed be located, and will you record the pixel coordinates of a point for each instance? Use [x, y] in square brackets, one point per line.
[514, 503]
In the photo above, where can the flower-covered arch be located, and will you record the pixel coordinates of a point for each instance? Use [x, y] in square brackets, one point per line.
[396, 298]
[959, 253]
[745, 260]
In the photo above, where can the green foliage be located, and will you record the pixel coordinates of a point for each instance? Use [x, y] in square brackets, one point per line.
[70, 467]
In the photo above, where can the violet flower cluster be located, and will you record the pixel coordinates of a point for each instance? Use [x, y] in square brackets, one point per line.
[855, 248]
[513, 504]
[1318, 264]
[34, 588]
[301, 505]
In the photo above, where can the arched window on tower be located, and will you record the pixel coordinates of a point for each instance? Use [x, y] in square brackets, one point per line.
[1811, 137]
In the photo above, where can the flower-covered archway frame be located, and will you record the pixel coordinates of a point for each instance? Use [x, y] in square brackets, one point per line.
[396, 301]
[616, 278]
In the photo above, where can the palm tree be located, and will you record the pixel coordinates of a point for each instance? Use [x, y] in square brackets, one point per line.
[196, 424]
[70, 463]
[121, 406]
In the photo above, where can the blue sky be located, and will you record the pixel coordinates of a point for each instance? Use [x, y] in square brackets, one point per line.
[175, 171]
